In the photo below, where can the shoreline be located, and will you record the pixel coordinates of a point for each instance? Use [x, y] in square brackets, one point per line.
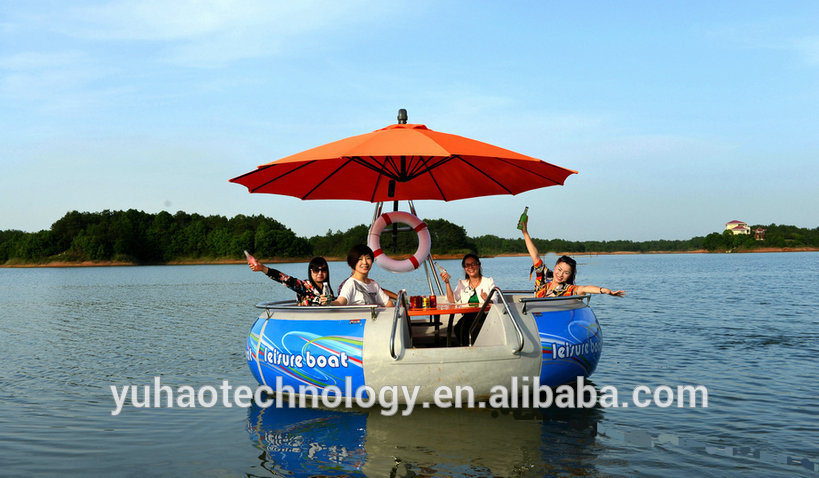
[287, 260]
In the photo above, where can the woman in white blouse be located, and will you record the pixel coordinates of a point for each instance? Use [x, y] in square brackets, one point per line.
[473, 289]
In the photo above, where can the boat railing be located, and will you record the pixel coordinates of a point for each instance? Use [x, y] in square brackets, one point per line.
[400, 304]
[585, 297]
[289, 305]
[496, 291]
[541, 300]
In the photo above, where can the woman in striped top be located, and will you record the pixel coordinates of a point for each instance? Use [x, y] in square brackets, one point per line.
[560, 281]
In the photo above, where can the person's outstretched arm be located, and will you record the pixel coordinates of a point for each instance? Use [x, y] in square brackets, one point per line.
[530, 246]
[296, 285]
[593, 289]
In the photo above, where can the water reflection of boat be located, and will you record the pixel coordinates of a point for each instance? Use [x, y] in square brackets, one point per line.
[304, 440]
[430, 442]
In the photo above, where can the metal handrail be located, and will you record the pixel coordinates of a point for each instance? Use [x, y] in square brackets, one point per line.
[400, 303]
[527, 300]
[291, 305]
[519, 291]
[497, 291]
[585, 297]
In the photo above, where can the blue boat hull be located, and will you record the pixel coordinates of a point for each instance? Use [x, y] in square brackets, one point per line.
[341, 353]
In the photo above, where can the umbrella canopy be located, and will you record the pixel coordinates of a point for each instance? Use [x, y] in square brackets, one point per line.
[403, 162]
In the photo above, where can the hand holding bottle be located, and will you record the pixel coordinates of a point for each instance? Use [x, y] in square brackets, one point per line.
[444, 274]
[524, 218]
[254, 264]
[325, 294]
[523, 225]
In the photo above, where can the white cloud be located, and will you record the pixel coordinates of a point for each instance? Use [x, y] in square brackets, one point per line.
[157, 20]
[208, 33]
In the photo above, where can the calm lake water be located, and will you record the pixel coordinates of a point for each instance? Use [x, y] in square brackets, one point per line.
[744, 325]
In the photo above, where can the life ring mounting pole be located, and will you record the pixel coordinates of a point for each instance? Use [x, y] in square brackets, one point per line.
[388, 263]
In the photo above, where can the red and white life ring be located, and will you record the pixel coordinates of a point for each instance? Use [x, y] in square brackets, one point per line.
[388, 263]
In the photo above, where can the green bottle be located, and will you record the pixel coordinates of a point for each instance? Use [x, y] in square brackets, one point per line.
[523, 218]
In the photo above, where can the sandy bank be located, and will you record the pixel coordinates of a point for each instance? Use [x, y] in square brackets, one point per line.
[281, 260]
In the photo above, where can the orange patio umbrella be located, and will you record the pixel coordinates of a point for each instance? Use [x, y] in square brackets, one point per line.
[403, 162]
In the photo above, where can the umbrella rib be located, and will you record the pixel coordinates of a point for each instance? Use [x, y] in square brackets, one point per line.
[533, 172]
[381, 169]
[426, 168]
[325, 179]
[377, 179]
[413, 166]
[417, 166]
[274, 179]
[394, 168]
[435, 181]
[488, 176]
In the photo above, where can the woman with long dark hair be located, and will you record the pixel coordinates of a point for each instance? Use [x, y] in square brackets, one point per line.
[314, 291]
[562, 280]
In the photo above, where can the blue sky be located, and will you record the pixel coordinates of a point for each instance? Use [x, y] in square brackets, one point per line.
[679, 116]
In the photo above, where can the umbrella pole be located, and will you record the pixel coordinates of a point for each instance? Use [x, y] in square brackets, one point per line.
[431, 263]
[379, 206]
[395, 230]
[376, 213]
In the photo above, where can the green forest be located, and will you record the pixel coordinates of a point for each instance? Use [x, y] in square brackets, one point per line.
[141, 238]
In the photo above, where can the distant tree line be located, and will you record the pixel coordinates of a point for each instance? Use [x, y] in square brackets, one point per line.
[775, 236]
[135, 236]
[142, 238]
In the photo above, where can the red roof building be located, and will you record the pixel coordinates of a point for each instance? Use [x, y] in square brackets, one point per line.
[737, 227]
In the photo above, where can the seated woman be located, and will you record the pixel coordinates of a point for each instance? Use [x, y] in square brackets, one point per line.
[562, 282]
[473, 289]
[359, 289]
[314, 291]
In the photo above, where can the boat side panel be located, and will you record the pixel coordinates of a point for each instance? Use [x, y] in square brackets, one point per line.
[307, 352]
[571, 343]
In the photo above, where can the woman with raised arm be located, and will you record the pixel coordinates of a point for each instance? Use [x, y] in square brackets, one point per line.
[314, 291]
[562, 281]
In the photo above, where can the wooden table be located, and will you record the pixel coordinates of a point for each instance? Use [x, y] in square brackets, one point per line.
[443, 309]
